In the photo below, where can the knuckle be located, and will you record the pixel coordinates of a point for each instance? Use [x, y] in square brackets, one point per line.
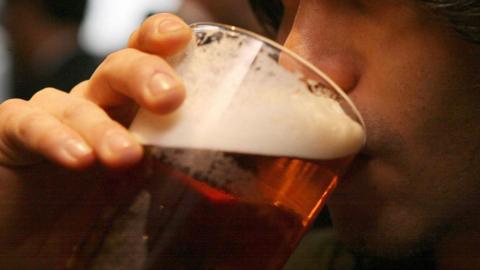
[146, 69]
[79, 89]
[116, 56]
[108, 61]
[45, 93]
[45, 138]
[25, 126]
[104, 125]
[112, 62]
[11, 105]
[130, 62]
[132, 39]
[10, 109]
[77, 109]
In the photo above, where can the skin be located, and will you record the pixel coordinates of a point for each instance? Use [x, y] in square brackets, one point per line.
[415, 185]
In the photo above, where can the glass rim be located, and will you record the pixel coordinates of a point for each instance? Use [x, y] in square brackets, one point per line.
[295, 56]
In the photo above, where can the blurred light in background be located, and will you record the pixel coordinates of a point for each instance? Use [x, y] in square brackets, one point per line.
[107, 26]
[109, 23]
[4, 66]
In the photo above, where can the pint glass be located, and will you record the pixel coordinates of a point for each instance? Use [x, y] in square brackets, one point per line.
[238, 173]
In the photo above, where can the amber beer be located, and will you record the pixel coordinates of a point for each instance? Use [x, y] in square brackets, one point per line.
[202, 218]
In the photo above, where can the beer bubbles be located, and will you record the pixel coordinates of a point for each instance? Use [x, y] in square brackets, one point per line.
[255, 104]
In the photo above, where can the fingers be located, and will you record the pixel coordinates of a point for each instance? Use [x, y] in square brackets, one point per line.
[147, 79]
[162, 34]
[26, 129]
[74, 129]
[111, 142]
[139, 73]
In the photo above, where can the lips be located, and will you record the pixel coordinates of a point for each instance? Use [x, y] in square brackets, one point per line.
[358, 164]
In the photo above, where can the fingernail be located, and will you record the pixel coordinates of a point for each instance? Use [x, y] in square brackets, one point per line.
[170, 25]
[118, 149]
[161, 82]
[77, 149]
[116, 141]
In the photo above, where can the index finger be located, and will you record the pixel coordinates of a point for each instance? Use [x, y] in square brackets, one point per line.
[162, 34]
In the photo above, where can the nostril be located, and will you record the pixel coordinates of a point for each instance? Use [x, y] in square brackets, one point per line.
[345, 74]
[343, 71]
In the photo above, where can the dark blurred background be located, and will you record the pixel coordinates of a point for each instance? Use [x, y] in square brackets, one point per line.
[59, 42]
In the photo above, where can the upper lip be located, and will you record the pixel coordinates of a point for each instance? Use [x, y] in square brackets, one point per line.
[359, 161]
[363, 156]
[367, 149]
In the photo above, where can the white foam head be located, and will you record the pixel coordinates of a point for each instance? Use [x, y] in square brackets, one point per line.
[239, 99]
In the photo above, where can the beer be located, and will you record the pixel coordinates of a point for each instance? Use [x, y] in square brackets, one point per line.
[237, 174]
[201, 218]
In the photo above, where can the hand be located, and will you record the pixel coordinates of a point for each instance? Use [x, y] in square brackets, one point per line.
[88, 124]
[46, 209]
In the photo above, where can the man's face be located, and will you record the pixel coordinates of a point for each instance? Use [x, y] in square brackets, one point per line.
[416, 83]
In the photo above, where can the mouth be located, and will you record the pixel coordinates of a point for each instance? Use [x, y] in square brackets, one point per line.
[367, 149]
[358, 163]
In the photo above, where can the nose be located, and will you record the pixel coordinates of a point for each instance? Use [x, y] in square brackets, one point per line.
[337, 61]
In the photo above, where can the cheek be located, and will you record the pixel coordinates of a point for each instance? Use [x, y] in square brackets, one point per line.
[407, 92]
[416, 122]
[423, 129]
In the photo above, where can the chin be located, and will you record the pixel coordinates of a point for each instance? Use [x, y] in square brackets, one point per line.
[373, 221]
[390, 236]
